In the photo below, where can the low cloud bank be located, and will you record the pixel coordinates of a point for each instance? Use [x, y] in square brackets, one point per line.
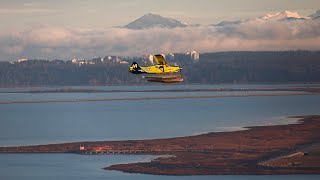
[48, 42]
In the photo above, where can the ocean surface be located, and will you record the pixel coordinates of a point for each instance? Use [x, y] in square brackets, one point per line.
[56, 122]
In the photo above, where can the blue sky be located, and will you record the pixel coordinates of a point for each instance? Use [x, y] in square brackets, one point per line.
[62, 29]
[107, 13]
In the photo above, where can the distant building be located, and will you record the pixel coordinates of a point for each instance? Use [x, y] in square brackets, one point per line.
[151, 58]
[115, 59]
[119, 61]
[195, 55]
[74, 60]
[81, 61]
[22, 60]
[82, 148]
[124, 62]
[101, 149]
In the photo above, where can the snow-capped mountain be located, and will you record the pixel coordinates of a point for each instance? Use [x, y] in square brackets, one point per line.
[153, 20]
[283, 16]
[316, 15]
[280, 16]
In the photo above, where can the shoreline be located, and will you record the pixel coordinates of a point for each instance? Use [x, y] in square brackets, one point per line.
[231, 92]
[159, 84]
[265, 150]
[156, 98]
[217, 89]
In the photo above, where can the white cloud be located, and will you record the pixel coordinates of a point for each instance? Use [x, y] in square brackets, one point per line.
[65, 42]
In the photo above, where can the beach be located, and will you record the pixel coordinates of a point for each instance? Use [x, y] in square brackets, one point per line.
[239, 152]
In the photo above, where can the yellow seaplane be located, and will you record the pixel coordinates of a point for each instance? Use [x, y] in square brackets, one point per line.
[164, 72]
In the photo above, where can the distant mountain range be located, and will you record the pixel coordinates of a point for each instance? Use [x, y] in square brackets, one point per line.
[280, 16]
[153, 20]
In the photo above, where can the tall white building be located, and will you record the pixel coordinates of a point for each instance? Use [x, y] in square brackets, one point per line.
[151, 58]
[195, 55]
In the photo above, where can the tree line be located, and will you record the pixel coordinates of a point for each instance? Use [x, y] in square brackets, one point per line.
[220, 67]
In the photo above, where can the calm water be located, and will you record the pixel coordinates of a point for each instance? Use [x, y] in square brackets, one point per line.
[75, 167]
[42, 123]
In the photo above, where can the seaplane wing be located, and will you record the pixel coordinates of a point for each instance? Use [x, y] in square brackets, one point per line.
[159, 59]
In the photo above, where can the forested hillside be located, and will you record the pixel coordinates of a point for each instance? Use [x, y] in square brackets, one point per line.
[223, 67]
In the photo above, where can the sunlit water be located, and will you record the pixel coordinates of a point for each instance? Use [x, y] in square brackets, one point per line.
[43, 123]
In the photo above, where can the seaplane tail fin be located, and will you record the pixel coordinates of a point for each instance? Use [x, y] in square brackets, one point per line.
[135, 68]
[135, 65]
